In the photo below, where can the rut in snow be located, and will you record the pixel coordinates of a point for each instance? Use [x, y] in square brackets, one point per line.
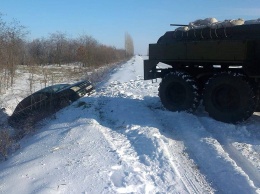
[138, 138]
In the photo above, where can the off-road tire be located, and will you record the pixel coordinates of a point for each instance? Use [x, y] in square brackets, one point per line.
[228, 97]
[178, 91]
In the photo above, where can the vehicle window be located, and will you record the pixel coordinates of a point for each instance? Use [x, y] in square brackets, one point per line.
[47, 90]
[54, 88]
[59, 87]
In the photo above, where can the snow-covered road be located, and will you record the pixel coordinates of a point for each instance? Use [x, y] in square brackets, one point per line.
[121, 140]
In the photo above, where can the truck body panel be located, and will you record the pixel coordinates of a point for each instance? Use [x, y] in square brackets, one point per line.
[204, 51]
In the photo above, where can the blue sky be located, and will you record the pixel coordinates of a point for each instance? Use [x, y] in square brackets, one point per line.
[108, 20]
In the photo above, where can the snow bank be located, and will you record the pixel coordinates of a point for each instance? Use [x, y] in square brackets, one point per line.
[121, 140]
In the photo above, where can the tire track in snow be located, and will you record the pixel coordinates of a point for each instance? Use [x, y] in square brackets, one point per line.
[129, 133]
[129, 175]
[185, 168]
[189, 172]
[191, 177]
[209, 154]
[226, 142]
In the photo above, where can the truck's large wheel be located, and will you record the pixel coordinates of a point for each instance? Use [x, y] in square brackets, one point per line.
[178, 91]
[229, 98]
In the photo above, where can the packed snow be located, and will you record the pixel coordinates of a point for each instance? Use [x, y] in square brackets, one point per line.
[121, 140]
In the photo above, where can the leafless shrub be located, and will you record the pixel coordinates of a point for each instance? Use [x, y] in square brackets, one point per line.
[28, 124]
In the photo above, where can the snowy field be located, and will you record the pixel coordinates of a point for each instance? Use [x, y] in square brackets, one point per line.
[121, 140]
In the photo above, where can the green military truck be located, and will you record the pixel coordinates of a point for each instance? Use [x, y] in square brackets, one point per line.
[219, 66]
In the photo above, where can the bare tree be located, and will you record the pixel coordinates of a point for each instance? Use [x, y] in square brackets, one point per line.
[59, 47]
[129, 45]
[86, 50]
[11, 49]
[37, 51]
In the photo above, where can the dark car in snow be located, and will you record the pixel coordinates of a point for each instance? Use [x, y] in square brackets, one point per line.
[48, 100]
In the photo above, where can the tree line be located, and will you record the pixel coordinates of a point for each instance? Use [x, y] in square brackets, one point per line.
[57, 48]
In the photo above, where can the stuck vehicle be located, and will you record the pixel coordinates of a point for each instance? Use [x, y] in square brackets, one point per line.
[216, 62]
[49, 100]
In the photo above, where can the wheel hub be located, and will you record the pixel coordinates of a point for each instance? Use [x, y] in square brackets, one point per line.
[226, 98]
[176, 93]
